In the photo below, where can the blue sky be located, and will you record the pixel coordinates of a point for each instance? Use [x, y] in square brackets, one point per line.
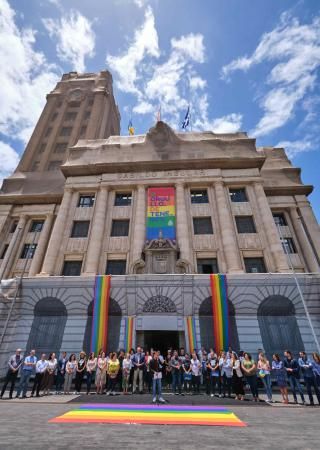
[241, 64]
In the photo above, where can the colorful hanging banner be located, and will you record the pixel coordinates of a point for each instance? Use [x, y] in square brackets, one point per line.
[161, 213]
[100, 313]
[220, 311]
[128, 339]
[191, 327]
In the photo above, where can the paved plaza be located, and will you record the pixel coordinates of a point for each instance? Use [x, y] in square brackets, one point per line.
[24, 424]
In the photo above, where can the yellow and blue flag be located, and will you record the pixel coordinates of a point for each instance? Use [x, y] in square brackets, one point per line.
[130, 128]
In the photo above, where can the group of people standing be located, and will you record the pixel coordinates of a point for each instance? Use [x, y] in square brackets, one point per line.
[220, 374]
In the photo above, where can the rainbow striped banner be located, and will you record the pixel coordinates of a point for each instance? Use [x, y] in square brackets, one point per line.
[191, 327]
[151, 415]
[100, 313]
[219, 293]
[128, 333]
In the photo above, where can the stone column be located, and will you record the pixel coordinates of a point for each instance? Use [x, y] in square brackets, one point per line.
[138, 238]
[310, 223]
[56, 235]
[229, 240]
[91, 266]
[273, 238]
[182, 225]
[10, 255]
[303, 241]
[41, 247]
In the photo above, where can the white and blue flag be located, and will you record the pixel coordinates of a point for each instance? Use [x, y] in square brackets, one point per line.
[186, 121]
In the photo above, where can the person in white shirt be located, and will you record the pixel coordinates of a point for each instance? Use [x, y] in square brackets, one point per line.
[126, 368]
[49, 374]
[91, 369]
[196, 373]
[70, 371]
[41, 368]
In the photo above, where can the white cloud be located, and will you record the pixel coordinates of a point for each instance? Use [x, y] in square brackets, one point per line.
[191, 46]
[75, 38]
[9, 160]
[294, 49]
[25, 76]
[293, 148]
[126, 66]
[140, 3]
[172, 81]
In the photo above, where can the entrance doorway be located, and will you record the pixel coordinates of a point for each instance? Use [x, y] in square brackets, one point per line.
[161, 340]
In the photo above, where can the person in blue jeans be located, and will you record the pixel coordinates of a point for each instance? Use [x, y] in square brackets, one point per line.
[155, 366]
[175, 364]
[316, 367]
[306, 367]
[28, 369]
[292, 368]
[264, 373]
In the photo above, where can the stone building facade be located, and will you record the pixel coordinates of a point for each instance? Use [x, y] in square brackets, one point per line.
[82, 202]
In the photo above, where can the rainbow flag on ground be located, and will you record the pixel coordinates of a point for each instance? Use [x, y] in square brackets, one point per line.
[100, 313]
[151, 415]
[220, 311]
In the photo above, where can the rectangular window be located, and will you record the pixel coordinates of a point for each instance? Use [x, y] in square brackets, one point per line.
[48, 131]
[120, 228]
[71, 268]
[70, 116]
[4, 251]
[28, 251]
[35, 166]
[279, 219]
[13, 227]
[86, 201]
[54, 116]
[60, 147]
[36, 226]
[207, 265]
[54, 165]
[90, 102]
[86, 115]
[288, 245]
[202, 225]
[65, 131]
[245, 224]
[238, 195]
[116, 267]
[199, 196]
[123, 199]
[74, 104]
[83, 132]
[42, 147]
[254, 265]
[80, 228]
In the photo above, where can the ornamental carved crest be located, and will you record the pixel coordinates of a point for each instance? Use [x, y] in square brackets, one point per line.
[159, 304]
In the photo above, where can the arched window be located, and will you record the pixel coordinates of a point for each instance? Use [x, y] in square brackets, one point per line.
[206, 325]
[50, 317]
[278, 325]
[114, 323]
[159, 304]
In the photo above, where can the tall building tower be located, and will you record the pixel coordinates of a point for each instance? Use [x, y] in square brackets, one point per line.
[81, 106]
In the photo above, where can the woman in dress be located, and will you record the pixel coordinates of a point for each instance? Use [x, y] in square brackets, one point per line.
[264, 372]
[281, 377]
[70, 371]
[237, 377]
[113, 367]
[49, 373]
[81, 367]
[101, 373]
[91, 368]
[249, 369]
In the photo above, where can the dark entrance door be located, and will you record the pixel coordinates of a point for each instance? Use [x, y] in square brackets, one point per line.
[161, 340]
